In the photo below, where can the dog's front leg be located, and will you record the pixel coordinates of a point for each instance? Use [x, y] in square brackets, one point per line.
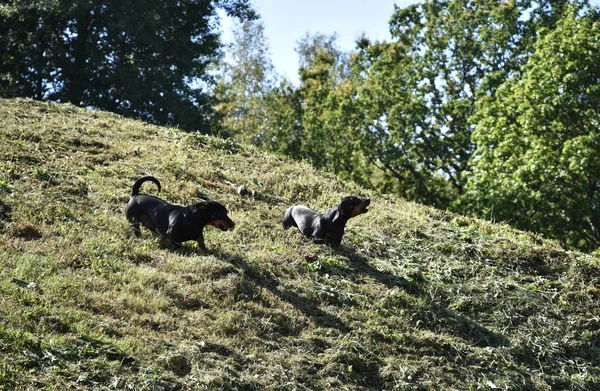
[173, 236]
[334, 240]
[200, 241]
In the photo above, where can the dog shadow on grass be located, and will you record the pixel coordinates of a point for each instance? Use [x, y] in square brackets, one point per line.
[365, 372]
[431, 316]
[308, 306]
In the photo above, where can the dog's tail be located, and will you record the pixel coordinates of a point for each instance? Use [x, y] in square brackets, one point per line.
[288, 219]
[136, 186]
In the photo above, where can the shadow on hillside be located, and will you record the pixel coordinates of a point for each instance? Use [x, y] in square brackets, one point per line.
[432, 316]
[307, 306]
[360, 264]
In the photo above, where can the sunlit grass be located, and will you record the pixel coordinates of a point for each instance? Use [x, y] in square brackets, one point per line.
[415, 298]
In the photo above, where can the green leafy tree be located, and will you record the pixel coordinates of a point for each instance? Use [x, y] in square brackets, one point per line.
[312, 48]
[295, 126]
[247, 77]
[395, 121]
[283, 131]
[316, 121]
[537, 158]
[318, 61]
[418, 92]
[145, 59]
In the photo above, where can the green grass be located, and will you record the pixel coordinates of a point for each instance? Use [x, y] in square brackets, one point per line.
[415, 298]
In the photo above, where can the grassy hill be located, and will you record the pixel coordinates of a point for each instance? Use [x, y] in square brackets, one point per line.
[415, 298]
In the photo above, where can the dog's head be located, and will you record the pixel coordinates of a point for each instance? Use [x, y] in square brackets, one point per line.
[351, 206]
[216, 214]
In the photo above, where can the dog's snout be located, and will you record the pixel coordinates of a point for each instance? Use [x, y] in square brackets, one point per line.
[227, 224]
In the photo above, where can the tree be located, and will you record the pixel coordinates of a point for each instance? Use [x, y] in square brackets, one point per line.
[310, 47]
[537, 159]
[328, 108]
[418, 92]
[316, 121]
[318, 57]
[247, 77]
[144, 59]
[283, 131]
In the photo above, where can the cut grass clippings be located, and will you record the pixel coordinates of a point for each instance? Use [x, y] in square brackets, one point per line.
[415, 298]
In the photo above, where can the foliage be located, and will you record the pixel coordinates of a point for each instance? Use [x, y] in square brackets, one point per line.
[246, 78]
[415, 298]
[312, 48]
[397, 115]
[283, 131]
[143, 59]
[537, 162]
[418, 92]
[327, 108]
[317, 120]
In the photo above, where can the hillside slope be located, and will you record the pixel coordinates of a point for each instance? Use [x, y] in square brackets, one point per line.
[415, 298]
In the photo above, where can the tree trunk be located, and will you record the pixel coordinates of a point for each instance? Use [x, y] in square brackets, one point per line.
[77, 80]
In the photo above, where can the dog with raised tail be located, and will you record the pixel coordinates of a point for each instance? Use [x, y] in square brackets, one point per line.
[326, 227]
[175, 223]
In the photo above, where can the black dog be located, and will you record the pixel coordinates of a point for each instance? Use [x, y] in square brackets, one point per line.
[328, 226]
[175, 223]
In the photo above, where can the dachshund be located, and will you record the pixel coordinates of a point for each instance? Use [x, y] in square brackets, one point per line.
[326, 227]
[176, 224]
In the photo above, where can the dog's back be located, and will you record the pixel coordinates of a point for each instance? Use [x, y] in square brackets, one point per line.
[328, 226]
[306, 219]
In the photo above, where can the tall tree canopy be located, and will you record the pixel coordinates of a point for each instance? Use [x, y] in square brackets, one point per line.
[324, 138]
[144, 59]
[398, 115]
[247, 75]
[418, 92]
[316, 121]
[537, 161]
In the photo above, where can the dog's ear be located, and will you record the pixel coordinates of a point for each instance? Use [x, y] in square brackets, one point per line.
[339, 212]
[201, 206]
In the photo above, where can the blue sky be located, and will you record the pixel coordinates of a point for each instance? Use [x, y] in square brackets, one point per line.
[286, 21]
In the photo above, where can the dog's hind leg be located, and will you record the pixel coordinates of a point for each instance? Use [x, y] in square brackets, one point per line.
[135, 226]
[146, 221]
[133, 219]
[169, 243]
[288, 219]
[134, 223]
